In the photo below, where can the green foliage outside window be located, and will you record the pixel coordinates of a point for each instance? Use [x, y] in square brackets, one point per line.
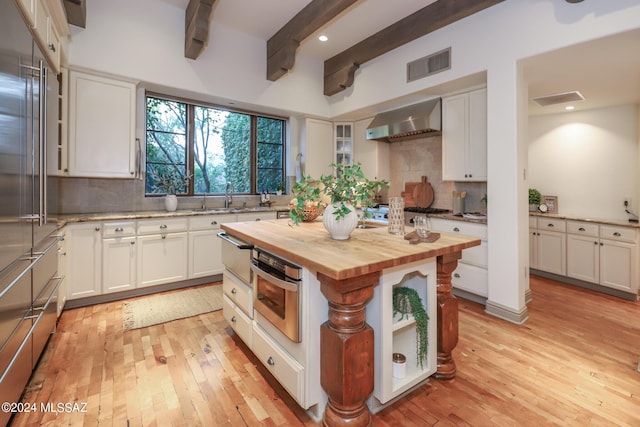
[219, 150]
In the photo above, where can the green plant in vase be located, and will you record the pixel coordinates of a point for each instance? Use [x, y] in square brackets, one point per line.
[407, 301]
[347, 188]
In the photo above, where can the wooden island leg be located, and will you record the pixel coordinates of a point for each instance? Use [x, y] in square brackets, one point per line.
[346, 351]
[447, 316]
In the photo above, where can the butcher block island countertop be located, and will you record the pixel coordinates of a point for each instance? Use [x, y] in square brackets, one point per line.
[348, 272]
[367, 250]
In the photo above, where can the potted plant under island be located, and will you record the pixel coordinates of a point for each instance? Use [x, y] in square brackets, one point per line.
[407, 301]
[336, 197]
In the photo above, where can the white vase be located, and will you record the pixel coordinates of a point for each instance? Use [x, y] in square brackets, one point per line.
[171, 202]
[340, 229]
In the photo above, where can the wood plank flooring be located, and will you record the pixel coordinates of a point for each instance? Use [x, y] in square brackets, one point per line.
[574, 363]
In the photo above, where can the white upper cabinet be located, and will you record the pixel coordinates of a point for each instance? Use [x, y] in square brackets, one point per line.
[318, 148]
[464, 136]
[343, 143]
[102, 141]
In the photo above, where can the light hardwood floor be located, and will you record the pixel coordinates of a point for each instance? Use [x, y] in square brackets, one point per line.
[574, 363]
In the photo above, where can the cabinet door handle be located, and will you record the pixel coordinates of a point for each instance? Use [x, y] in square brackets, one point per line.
[581, 229]
[164, 236]
[270, 361]
[257, 219]
[456, 229]
[601, 244]
[119, 229]
[595, 243]
[52, 47]
[214, 222]
[133, 242]
[233, 319]
[163, 226]
[617, 234]
[234, 291]
[550, 225]
[456, 275]
[97, 228]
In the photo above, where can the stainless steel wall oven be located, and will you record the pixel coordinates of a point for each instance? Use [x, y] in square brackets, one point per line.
[277, 292]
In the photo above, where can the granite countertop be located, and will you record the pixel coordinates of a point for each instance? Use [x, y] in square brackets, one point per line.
[619, 222]
[119, 216]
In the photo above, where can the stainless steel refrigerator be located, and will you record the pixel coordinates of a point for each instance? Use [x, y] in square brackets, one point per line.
[28, 203]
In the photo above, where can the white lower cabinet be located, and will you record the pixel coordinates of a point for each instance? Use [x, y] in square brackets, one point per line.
[551, 244]
[471, 274]
[162, 258]
[83, 260]
[162, 251]
[286, 369]
[205, 252]
[238, 320]
[597, 253]
[603, 254]
[118, 256]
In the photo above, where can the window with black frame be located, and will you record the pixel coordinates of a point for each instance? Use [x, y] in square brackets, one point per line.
[203, 148]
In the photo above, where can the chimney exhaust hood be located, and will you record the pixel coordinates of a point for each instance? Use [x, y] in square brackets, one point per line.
[418, 119]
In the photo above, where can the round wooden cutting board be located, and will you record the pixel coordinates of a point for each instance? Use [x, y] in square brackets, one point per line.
[423, 194]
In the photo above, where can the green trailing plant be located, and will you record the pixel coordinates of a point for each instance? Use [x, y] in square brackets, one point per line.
[534, 196]
[407, 301]
[347, 186]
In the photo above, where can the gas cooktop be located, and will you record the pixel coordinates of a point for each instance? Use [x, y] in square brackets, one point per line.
[426, 210]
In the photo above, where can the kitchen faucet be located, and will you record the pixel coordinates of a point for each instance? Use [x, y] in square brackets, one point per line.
[228, 196]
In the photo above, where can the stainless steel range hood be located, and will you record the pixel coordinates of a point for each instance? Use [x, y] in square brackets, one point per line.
[417, 119]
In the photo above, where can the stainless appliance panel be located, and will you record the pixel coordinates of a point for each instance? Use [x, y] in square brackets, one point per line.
[45, 307]
[277, 293]
[15, 368]
[236, 256]
[15, 300]
[16, 50]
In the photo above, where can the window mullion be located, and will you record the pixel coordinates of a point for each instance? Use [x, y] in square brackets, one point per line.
[254, 155]
[190, 147]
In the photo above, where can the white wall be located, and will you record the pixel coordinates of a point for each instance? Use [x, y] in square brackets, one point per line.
[588, 159]
[144, 40]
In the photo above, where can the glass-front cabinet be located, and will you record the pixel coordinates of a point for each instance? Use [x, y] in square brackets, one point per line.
[343, 136]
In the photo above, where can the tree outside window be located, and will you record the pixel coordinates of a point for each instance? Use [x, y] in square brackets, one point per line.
[215, 146]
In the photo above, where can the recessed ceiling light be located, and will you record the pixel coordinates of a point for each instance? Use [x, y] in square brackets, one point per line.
[569, 107]
[559, 98]
[323, 38]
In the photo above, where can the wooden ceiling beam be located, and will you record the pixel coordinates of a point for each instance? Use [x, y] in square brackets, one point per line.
[282, 46]
[339, 71]
[76, 11]
[196, 26]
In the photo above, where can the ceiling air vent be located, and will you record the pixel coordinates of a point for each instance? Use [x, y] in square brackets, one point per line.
[559, 98]
[429, 65]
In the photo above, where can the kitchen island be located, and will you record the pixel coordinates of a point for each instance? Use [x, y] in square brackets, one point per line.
[348, 271]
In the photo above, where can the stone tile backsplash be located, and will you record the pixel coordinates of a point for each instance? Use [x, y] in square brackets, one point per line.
[422, 156]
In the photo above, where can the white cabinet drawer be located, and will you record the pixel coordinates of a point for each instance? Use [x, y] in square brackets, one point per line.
[285, 368]
[471, 279]
[623, 234]
[238, 321]
[256, 216]
[552, 224]
[477, 255]
[582, 228]
[460, 227]
[156, 226]
[238, 292]
[119, 229]
[209, 222]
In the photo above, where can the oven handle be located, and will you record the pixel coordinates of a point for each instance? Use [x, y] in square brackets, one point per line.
[287, 286]
[234, 241]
